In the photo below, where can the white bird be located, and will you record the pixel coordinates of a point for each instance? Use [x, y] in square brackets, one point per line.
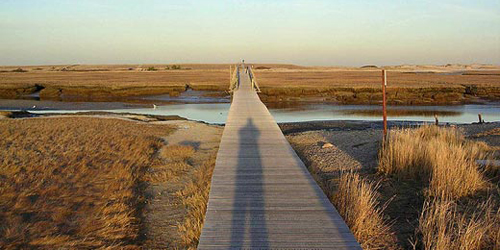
[154, 106]
[34, 107]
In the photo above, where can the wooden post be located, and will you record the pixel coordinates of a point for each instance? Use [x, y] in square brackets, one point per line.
[230, 75]
[481, 121]
[384, 101]
[436, 118]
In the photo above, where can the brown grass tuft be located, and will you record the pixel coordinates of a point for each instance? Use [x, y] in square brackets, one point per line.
[177, 153]
[440, 156]
[194, 197]
[356, 201]
[5, 114]
[174, 164]
[443, 226]
[73, 182]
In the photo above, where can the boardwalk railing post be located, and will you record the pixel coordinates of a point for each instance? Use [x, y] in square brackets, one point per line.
[384, 101]
[238, 75]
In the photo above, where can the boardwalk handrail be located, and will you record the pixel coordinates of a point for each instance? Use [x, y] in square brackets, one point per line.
[233, 84]
[255, 85]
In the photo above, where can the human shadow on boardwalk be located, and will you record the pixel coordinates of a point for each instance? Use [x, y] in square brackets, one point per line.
[248, 222]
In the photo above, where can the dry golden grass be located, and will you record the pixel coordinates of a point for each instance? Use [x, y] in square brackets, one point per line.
[194, 197]
[109, 85]
[112, 81]
[73, 182]
[461, 210]
[279, 82]
[116, 80]
[364, 86]
[173, 163]
[357, 202]
[171, 171]
[5, 114]
[440, 156]
[177, 153]
[444, 227]
[360, 78]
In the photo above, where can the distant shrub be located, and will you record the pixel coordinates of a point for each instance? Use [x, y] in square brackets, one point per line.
[262, 67]
[471, 89]
[19, 70]
[151, 69]
[176, 66]
[369, 67]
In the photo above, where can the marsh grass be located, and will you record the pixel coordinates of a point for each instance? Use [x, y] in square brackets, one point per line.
[362, 86]
[440, 156]
[280, 82]
[177, 153]
[461, 208]
[171, 165]
[194, 197]
[357, 202]
[443, 226]
[73, 182]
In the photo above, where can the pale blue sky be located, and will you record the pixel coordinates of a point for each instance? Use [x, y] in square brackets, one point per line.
[307, 32]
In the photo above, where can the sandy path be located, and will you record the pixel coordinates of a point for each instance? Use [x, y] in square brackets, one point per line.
[202, 137]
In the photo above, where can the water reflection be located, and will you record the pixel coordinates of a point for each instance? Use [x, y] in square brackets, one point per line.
[402, 112]
[282, 112]
[191, 96]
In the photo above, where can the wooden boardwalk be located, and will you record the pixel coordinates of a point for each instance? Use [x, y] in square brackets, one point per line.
[262, 195]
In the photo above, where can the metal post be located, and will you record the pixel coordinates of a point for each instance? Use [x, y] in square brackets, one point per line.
[384, 104]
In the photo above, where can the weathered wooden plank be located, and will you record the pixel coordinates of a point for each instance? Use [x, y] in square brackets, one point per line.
[262, 195]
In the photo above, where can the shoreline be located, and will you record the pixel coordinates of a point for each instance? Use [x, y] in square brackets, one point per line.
[398, 96]
[286, 127]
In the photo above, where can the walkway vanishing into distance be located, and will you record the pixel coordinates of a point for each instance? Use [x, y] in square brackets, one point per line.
[262, 195]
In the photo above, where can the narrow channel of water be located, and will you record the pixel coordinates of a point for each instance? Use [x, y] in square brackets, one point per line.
[282, 112]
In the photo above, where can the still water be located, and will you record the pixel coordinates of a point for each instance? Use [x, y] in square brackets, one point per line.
[282, 112]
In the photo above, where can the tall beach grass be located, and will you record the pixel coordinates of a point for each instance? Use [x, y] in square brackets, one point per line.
[455, 215]
[357, 202]
[440, 156]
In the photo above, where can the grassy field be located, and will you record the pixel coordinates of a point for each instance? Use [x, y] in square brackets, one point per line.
[73, 182]
[278, 82]
[85, 182]
[364, 86]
